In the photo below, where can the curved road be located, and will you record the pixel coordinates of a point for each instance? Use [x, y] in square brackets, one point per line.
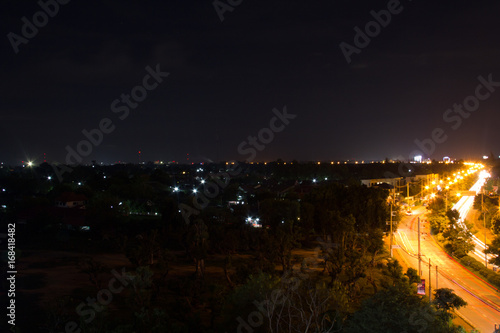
[483, 310]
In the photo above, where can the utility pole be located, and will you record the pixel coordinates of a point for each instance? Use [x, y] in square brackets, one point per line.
[391, 228]
[484, 221]
[437, 277]
[419, 258]
[408, 193]
[430, 281]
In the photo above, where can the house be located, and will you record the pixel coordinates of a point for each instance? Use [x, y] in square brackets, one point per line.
[70, 210]
[71, 200]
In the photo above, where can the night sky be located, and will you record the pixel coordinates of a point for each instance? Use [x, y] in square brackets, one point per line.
[226, 77]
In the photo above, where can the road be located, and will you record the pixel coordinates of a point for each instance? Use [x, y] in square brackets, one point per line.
[463, 206]
[483, 310]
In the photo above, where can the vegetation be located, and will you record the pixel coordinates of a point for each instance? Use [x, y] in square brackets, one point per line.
[217, 273]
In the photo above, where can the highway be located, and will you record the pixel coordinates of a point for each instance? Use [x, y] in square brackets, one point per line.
[483, 310]
[463, 206]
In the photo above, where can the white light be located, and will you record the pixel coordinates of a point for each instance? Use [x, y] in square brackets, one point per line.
[195, 190]
[79, 183]
[176, 189]
[314, 180]
[49, 177]
[203, 181]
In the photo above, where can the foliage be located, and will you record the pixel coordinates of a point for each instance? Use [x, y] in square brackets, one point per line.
[479, 268]
[445, 299]
[94, 270]
[494, 248]
[495, 224]
[399, 309]
[292, 303]
[458, 239]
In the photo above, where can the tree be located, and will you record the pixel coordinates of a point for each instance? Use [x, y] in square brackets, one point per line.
[94, 271]
[438, 223]
[458, 239]
[445, 299]
[495, 224]
[197, 245]
[284, 233]
[345, 257]
[399, 309]
[292, 303]
[393, 310]
[494, 248]
[412, 275]
[304, 305]
[143, 249]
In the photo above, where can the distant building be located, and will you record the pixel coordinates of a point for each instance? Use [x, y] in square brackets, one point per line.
[71, 200]
[381, 182]
[70, 210]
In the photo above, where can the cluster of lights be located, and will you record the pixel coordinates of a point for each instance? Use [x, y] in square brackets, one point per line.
[254, 222]
[457, 176]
